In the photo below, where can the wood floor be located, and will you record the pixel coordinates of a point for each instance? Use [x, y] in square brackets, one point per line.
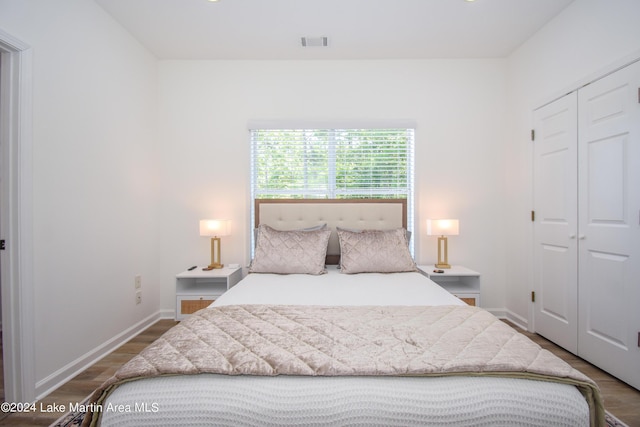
[620, 399]
[77, 389]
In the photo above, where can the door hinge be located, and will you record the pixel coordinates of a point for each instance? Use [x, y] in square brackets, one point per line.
[533, 296]
[533, 134]
[533, 216]
[3, 245]
[638, 339]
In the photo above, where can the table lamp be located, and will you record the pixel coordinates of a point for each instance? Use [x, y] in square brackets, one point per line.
[442, 228]
[214, 228]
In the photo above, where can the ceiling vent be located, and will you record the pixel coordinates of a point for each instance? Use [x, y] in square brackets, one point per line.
[314, 41]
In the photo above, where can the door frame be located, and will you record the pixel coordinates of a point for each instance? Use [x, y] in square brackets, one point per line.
[16, 219]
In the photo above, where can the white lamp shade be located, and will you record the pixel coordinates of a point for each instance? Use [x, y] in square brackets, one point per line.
[215, 227]
[442, 227]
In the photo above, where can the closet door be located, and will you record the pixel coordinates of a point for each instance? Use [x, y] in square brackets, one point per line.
[555, 226]
[609, 223]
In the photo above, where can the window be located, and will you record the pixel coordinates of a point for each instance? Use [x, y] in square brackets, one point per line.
[333, 164]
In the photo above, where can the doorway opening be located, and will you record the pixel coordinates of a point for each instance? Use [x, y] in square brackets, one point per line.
[16, 284]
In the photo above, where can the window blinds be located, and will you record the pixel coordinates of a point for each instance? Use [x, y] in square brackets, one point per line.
[332, 163]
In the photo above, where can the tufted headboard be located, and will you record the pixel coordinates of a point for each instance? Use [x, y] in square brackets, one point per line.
[291, 214]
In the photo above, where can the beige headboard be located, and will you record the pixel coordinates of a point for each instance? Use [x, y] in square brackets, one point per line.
[292, 214]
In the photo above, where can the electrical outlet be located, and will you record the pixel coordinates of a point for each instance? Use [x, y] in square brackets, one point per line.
[138, 297]
[138, 281]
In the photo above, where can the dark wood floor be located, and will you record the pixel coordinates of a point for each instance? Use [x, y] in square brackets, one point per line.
[620, 399]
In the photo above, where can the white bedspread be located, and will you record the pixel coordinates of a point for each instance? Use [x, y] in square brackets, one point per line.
[344, 401]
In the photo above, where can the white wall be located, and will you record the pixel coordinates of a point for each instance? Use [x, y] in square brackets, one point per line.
[458, 105]
[95, 178]
[588, 38]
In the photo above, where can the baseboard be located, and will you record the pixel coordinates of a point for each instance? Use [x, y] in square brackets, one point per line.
[167, 314]
[500, 313]
[67, 372]
[503, 313]
[517, 320]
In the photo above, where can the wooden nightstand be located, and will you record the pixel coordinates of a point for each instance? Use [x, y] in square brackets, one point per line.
[460, 281]
[197, 289]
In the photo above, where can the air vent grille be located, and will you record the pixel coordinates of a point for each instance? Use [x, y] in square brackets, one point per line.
[320, 41]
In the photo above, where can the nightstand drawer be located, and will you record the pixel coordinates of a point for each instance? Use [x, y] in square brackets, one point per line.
[197, 289]
[190, 306]
[471, 299]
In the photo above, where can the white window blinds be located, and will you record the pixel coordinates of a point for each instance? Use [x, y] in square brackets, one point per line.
[332, 163]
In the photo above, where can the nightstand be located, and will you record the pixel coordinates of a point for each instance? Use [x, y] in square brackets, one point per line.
[460, 281]
[197, 289]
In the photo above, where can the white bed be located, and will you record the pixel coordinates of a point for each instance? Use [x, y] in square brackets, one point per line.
[247, 400]
[383, 401]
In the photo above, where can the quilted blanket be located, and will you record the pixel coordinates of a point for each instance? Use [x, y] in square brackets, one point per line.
[373, 340]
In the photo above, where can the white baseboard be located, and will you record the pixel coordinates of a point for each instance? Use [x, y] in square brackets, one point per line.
[167, 314]
[517, 320]
[503, 313]
[67, 372]
[500, 313]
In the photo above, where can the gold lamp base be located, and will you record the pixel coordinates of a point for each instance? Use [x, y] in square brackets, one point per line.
[442, 265]
[215, 254]
[443, 262]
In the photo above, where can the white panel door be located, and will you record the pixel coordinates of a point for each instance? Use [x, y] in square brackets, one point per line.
[609, 223]
[555, 226]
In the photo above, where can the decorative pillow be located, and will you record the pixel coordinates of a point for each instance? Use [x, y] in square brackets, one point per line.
[312, 228]
[357, 230]
[375, 251]
[287, 252]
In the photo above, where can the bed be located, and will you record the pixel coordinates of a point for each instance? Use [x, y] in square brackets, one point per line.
[352, 334]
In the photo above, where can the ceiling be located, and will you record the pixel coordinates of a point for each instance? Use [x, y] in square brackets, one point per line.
[356, 29]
